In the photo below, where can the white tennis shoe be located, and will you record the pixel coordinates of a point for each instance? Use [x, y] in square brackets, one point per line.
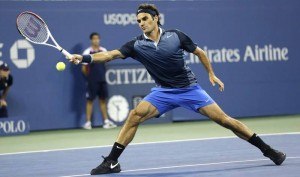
[87, 125]
[109, 124]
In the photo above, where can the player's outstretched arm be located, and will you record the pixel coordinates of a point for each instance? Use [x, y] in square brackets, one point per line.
[106, 56]
[97, 57]
[206, 63]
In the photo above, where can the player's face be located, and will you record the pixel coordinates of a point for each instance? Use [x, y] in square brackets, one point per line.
[146, 22]
[95, 40]
[4, 73]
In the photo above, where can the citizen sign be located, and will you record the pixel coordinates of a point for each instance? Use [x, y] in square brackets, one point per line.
[128, 76]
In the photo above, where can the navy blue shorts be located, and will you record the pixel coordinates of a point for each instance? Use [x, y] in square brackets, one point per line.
[95, 89]
[166, 99]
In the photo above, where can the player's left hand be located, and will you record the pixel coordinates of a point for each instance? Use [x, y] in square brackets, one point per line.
[213, 80]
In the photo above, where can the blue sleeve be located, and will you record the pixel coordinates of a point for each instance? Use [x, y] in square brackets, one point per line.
[186, 42]
[128, 49]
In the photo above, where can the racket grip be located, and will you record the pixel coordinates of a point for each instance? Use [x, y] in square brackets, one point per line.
[66, 53]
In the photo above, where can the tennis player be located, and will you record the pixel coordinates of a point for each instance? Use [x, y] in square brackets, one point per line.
[162, 53]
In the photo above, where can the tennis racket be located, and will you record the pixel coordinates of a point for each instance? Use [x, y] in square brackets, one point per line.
[35, 30]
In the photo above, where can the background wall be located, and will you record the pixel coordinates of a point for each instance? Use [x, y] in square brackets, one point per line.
[252, 45]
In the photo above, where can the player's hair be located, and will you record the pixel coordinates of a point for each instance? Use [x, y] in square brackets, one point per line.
[153, 8]
[94, 34]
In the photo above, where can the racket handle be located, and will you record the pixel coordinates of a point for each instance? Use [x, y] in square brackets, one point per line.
[66, 53]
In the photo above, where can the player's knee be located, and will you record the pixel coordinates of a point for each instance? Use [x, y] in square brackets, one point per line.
[135, 117]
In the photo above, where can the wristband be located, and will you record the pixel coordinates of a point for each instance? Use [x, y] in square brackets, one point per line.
[87, 59]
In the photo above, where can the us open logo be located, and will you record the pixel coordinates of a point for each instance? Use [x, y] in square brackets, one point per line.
[22, 63]
[125, 19]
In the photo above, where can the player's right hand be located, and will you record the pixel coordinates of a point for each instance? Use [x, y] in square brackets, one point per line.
[76, 59]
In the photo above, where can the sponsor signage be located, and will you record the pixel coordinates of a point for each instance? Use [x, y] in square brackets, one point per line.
[17, 125]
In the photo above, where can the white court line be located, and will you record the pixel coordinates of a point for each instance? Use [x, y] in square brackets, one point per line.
[145, 143]
[192, 165]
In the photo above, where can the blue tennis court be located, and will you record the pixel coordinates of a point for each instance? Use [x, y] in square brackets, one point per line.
[227, 156]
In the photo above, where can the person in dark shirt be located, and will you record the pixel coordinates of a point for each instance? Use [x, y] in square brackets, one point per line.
[96, 84]
[162, 53]
[6, 81]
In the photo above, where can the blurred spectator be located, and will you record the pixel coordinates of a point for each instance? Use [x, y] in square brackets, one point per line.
[96, 84]
[6, 80]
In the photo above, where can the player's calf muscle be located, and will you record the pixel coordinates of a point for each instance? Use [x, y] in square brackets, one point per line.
[136, 116]
[128, 131]
[234, 125]
[229, 122]
[240, 129]
[130, 127]
[215, 113]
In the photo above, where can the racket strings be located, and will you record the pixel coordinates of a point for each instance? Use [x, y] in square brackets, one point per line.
[32, 28]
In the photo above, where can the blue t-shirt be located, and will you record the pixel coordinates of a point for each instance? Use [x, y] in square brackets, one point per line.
[96, 71]
[164, 60]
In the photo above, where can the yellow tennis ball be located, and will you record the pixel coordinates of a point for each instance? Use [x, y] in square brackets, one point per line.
[60, 66]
